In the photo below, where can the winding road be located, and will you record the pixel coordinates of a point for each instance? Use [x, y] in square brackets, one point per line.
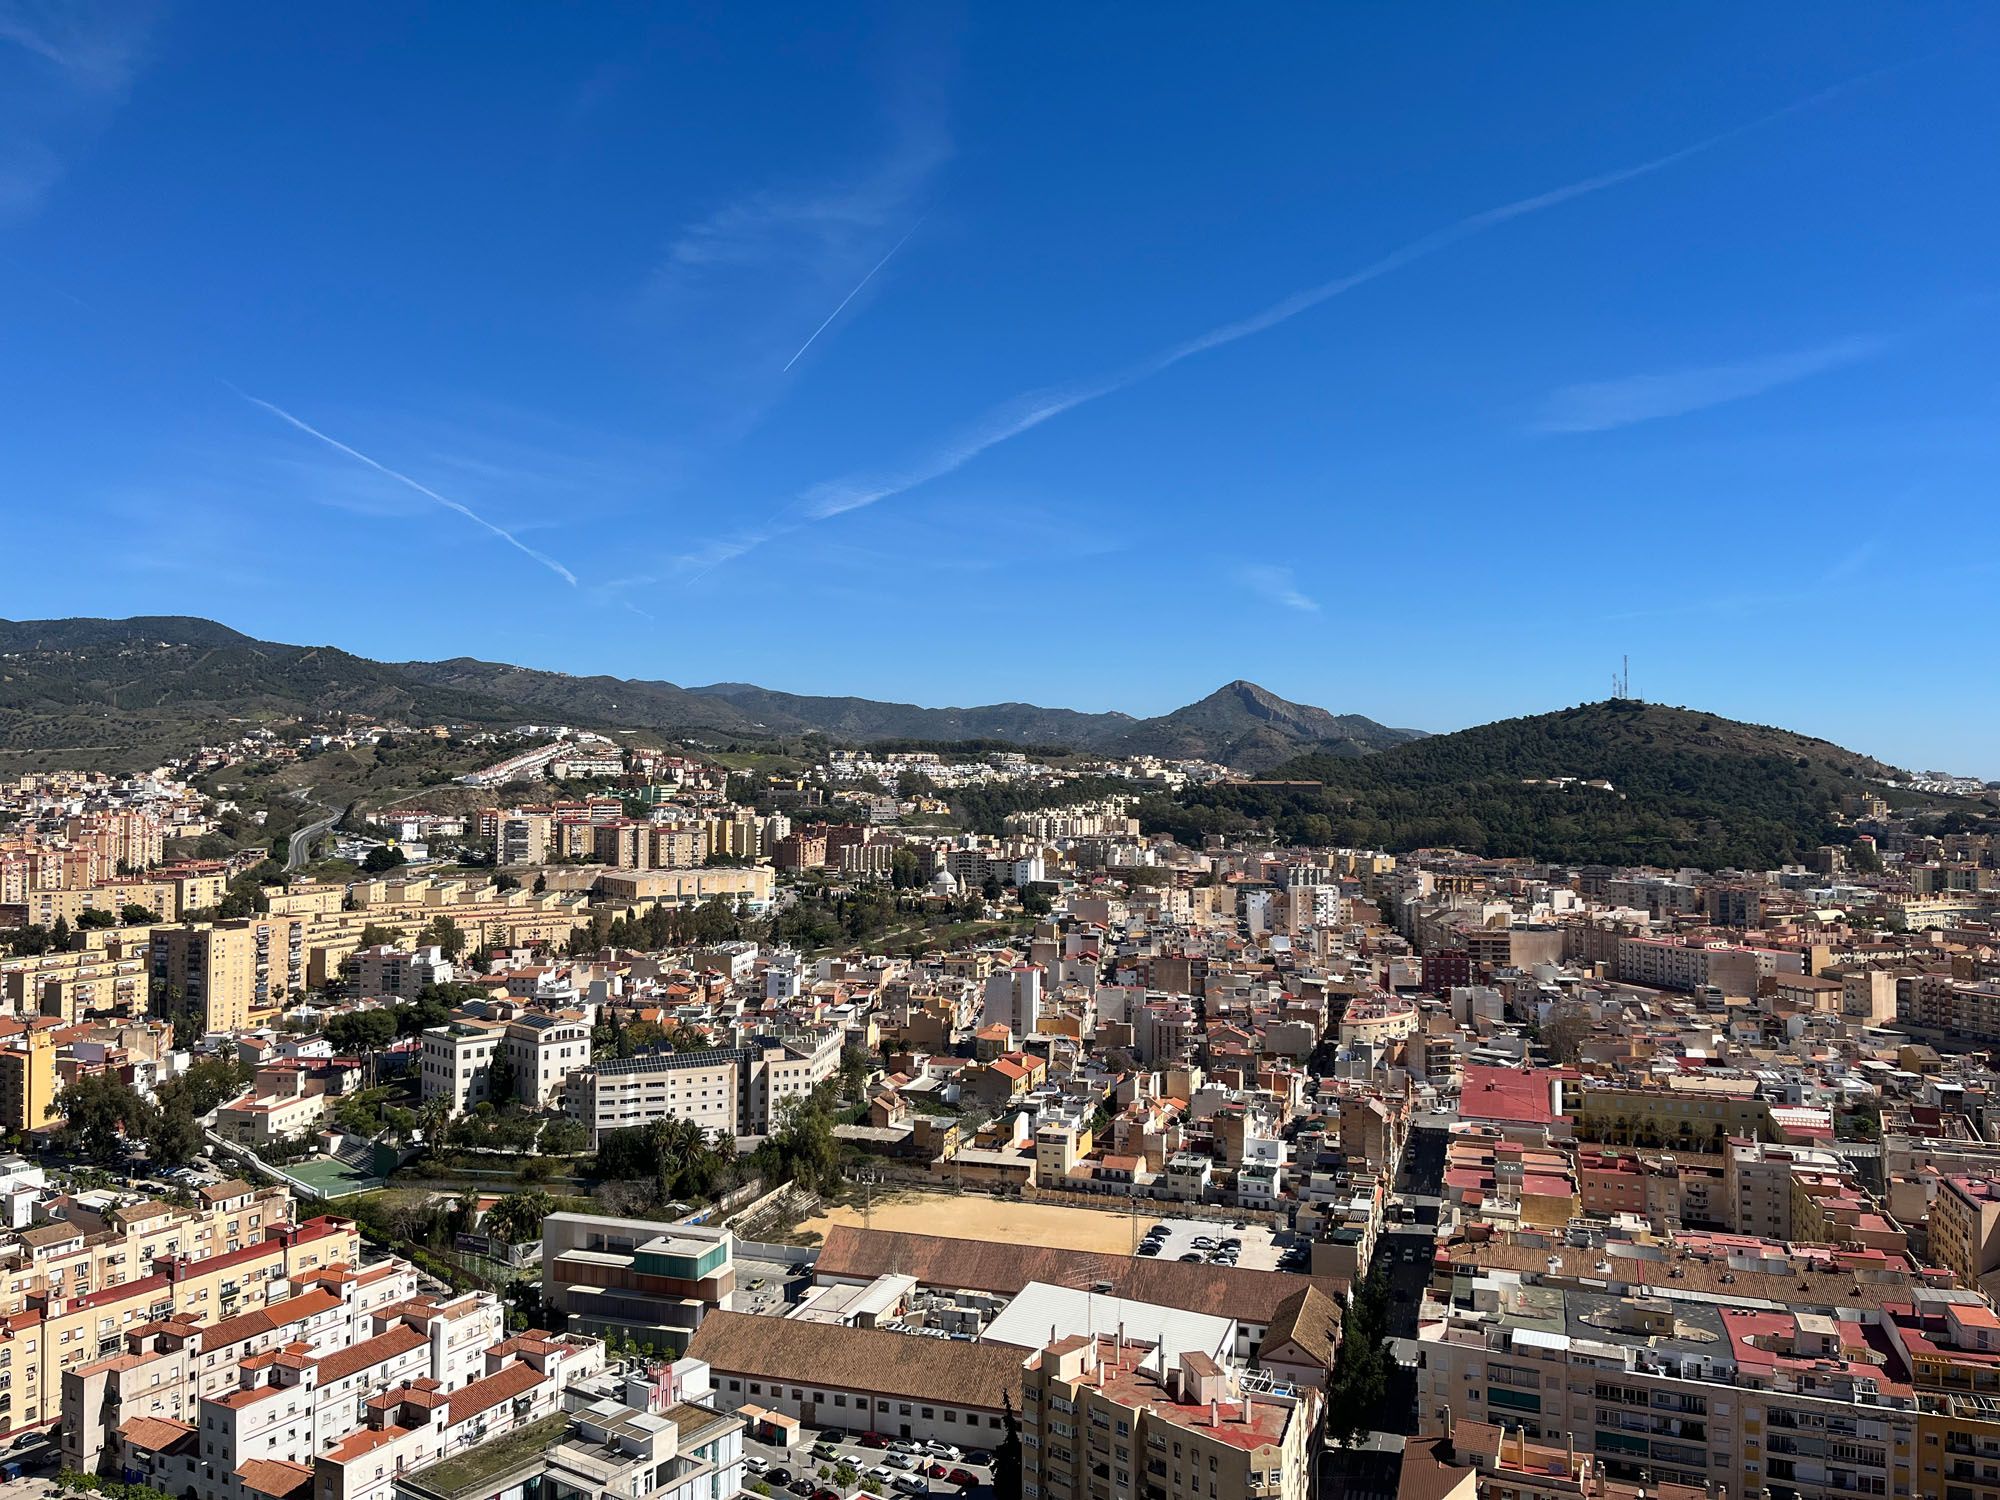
[302, 841]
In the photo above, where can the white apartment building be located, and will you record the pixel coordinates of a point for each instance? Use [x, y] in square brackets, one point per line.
[457, 1059]
[276, 1386]
[545, 1050]
[732, 1091]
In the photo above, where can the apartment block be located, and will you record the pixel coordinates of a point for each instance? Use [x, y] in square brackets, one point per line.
[234, 975]
[728, 1090]
[1706, 1393]
[1102, 1420]
[1965, 1228]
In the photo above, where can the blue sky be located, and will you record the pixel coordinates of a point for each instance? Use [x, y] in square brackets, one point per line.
[1412, 363]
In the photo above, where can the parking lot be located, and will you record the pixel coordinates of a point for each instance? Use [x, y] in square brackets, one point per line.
[1256, 1250]
[897, 1468]
[765, 1286]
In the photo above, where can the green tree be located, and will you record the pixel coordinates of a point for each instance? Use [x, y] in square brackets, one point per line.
[801, 1148]
[503, 1079]
[442, 932]
[134, 915]
[100, 1114]
[564, 1138]
[173, 1138]
[1360, 1374]
[30, 941]
[1007, 1453]
[362, 1031]
[518, 1216]
[384, 858]
[855, 1066]
[93, 919]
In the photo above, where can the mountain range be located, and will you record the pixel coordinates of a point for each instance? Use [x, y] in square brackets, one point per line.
[1673, 786]
[130, 692]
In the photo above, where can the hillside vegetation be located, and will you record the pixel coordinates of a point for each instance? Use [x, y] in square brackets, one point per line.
[128, 693]
[1686, 788]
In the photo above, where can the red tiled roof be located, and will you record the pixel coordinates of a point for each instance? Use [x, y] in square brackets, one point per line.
[248, 1325]
[340, 1364]
[154, 1434]
[483, 1395]
[273, 1476]
[1515, 1095]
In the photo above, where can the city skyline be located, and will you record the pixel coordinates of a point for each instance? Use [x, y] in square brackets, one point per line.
[800, 352]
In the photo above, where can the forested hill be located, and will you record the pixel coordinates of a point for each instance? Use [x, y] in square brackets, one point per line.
[129, 693]
[1685, 788]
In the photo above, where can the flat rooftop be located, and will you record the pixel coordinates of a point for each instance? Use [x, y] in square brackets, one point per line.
[483, 1469]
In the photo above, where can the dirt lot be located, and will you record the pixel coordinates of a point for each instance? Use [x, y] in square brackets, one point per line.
[973, 1216]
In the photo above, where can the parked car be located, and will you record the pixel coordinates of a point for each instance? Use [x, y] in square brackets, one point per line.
[780, 1478]
[902, 1445]
[936, 1471]
[979, 1457]
[903, 1461]
[911, 1484]
[1149, 1248]
[945, 1450]
[872, 1440]
[802, 1486]
[963, 1478]
[1192, 1255]
[755, 1464]
[882, 1474]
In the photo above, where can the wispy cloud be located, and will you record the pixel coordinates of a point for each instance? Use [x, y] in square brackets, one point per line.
[853, 294]
[96, 46]
[775, 228]
[740, 284]
[1027, 412]
[64, 70]
[1599, 405]
[1275, 585]
[422, 489]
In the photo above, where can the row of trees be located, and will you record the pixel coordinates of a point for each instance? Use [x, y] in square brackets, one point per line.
[714, 921]
[674, 1156]
[1360, 1375]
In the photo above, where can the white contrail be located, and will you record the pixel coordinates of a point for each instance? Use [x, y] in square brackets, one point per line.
[823, 501]
[422, 489]
[855, 293]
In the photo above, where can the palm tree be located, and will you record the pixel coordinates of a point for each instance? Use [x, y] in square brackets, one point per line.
[518, 1216]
